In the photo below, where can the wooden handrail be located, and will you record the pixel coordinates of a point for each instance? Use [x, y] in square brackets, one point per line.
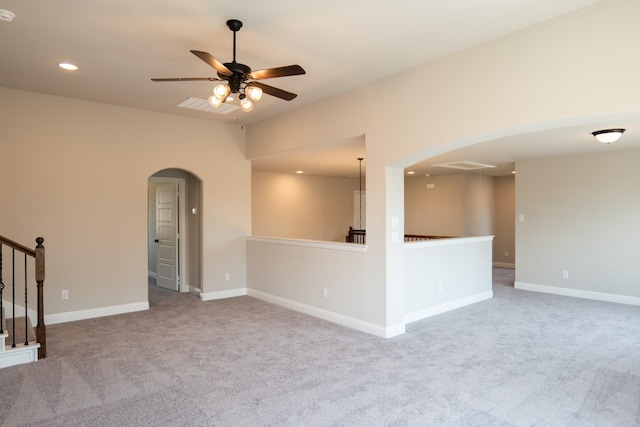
[18, 246]
[38, 255]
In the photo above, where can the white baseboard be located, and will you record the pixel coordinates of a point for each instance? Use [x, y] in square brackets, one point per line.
[91, 313]
[578, 293]
[340, 319]
[209, 296]
[447, 306]
[504, 264]
[152, 274]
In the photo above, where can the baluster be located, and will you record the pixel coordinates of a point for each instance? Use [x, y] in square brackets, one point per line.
[13, 297]
[26, 305]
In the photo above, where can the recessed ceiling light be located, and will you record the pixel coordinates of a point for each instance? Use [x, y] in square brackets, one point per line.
[67, 66]
[6, 15]
[411, 172]
[299, 171]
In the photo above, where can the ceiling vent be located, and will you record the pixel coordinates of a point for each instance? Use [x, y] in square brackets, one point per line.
[465, 165]
[204, 105]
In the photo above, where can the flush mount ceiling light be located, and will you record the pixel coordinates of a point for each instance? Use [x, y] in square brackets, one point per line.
[607, 136]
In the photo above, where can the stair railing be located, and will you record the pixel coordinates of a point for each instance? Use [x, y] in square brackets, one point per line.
[38, 255]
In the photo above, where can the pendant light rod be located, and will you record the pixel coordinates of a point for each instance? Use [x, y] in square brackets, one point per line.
[360, 159]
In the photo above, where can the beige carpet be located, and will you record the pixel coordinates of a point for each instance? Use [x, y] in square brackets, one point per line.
[519, 359]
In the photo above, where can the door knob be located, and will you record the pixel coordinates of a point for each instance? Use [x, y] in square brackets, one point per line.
[156, 240]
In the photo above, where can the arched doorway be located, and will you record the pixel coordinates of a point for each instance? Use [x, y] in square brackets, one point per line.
[174, 230]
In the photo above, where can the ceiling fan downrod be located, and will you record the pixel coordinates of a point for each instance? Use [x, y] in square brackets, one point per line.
[234, 25]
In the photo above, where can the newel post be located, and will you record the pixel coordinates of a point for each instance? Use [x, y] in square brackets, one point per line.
[41, 329]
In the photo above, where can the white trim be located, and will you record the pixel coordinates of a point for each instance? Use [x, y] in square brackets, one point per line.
[447, 306]
[71, 316]
[353, 247]
[340, 319]
[446, 242]
[19, 354]
[231, 293]
[182, 225]
[504, 265]
[578, 293]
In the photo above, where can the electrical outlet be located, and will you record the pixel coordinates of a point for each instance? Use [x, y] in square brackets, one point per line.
[227, 276]
[64, 294]
[565, 274]
[324, 293]
[506, 253]
[440, 287]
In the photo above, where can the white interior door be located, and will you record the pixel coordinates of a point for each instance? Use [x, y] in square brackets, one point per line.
[167, 235]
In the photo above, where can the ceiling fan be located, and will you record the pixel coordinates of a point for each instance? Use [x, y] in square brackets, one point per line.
[239, 77]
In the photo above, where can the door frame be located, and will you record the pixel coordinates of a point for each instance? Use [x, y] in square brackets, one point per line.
[183, 233]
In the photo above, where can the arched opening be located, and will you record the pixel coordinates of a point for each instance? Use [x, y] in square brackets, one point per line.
[175, 230]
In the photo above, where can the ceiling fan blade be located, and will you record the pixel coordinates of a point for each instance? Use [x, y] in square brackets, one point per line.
[269, 73]
[209, 59]
[274, 91]
[186, 79]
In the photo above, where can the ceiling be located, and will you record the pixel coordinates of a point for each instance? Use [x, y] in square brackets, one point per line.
[504, 152]
[119, 45]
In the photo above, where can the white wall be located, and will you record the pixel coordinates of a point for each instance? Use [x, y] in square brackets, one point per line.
[302, 206]
[77, 176]
[536, 79]
[581, 215]
[441, 275]
[293, 273]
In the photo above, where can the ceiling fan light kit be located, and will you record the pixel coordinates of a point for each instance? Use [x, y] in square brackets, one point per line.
[239, 77]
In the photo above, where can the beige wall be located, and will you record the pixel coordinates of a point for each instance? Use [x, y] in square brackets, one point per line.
[302, 206]
[536, 79]
[84, 166]
[434, 211]
[581, 216]
[464, 205]
[504, 242]
[459, 205]
[479, 205]
[78, 176]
